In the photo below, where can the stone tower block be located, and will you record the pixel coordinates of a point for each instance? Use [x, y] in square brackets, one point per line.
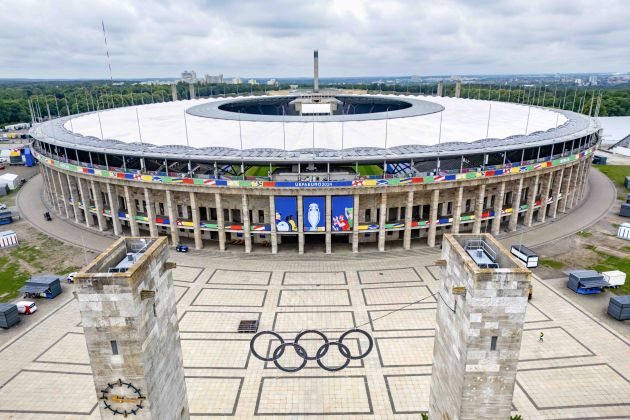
[129, 317]
[480, 315]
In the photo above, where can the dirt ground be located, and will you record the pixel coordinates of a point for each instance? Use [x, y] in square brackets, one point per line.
[36, 253]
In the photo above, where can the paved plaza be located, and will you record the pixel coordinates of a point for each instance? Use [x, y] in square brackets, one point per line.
[582, 370]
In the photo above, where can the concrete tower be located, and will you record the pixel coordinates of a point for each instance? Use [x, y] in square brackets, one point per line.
[174, 91]
[458, 89]
[480, 316]
[440, 88]
[315, 71]
[192, 90]
[129, 317]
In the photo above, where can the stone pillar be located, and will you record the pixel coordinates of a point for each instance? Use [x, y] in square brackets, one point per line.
[435, 198]
[328, 224]
[174, 91]
[272, 224]
[479, 208]
[48, 186]
[150, 212]
[85, 199]
[247, 232]
[355, 224]
[565, 190]
[300, 211]
[587, 171]
[113, 209]
[457, 210]
[408, 220]
[64, 195]
[75, 199]
[191, 87]
[542, 210]
[515, 206]
[498, 206]
[195, 220]
[381, 223]
[458, 89]
[480, 318]
[220, 221]
[577, 173]
[532, 201]
[53, 181]
[557, 186]
[98, 203]
[131, 212]
[440, 88]
[172, 218]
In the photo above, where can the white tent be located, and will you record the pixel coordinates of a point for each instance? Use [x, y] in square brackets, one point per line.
[12, 180]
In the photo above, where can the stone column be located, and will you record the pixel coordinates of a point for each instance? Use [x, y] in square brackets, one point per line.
[458, 88]
[75, 199]
[300, 211]
[479, 209]
[440, 87]
[557, 186]
[498, 206]
[64, 194]
[408, 220]
[150, 212]
[131, 212]
[113, 209]
[85, 198]
[565, 190]
[53, 181]
[532, 201]
[220, 221]
[48, 186]
[98, 203]
[542, 210]
[457, 210]
[381, 223]
[172, 218]
[587, 171]
[195, 220]
[355, 224]
[328, 212]
[435, 198]
[577, 173]
[272, 224]
[247, 233]
[516, 204]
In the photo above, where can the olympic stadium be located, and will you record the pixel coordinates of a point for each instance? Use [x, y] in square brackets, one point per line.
[316, 170]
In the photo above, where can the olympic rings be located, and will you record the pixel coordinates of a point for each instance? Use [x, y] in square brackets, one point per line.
[277, 353]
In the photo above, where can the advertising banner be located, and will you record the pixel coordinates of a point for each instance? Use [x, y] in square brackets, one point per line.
[286, 214]
[314, 214]
[342, 213]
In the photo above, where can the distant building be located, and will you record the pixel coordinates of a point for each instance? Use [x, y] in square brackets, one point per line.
[189, 76]
[252, 81]
[272, 82]
[578, 82]
[236, 81]
[218, 79]
[592, 80]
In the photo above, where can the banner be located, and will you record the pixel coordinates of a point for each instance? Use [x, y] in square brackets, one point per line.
[314, 214]
[342, 213]
[286, 214]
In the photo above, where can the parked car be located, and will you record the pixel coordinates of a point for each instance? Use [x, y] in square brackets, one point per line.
[181, 248]
[26, 307]
[3, 206]
[2, 167]
[70, 278]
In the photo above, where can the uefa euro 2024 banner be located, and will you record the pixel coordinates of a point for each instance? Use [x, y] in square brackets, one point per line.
[286, 214]
[314, 214]
[342, 213]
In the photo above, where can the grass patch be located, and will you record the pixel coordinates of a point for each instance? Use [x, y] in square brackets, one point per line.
[259, 171]
[28, 253]
[609, 263]
[548, 262]
[12, 277]
[616, 173]
[625, 248]
[366, 170]
[590, 246]
[584, 234]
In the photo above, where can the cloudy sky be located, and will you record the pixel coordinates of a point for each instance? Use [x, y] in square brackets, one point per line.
[275, 38]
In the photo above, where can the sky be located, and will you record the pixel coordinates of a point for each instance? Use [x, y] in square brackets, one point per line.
[276, 38]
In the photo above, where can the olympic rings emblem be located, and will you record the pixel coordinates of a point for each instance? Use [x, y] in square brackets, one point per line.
[277, 353]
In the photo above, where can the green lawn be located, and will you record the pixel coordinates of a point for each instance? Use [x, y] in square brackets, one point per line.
[616, 173]
[365, 170]
[259, 171]
[610, 263]
[11, 279]
[548, 262]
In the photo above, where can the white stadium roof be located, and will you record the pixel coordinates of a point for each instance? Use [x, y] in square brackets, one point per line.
[463, 120]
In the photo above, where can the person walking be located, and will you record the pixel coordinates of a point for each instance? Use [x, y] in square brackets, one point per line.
[540, 339]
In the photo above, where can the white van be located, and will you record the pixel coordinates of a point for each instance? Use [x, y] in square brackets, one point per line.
[26, 307]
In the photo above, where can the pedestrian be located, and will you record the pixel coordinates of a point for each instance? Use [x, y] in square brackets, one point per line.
[540, 339]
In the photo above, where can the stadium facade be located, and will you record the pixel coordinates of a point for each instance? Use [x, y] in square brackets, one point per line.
[287, 171]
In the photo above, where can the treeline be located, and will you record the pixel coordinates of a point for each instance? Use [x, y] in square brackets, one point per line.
[60, 98]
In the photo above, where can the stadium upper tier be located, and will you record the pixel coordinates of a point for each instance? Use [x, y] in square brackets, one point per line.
[208, 129]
